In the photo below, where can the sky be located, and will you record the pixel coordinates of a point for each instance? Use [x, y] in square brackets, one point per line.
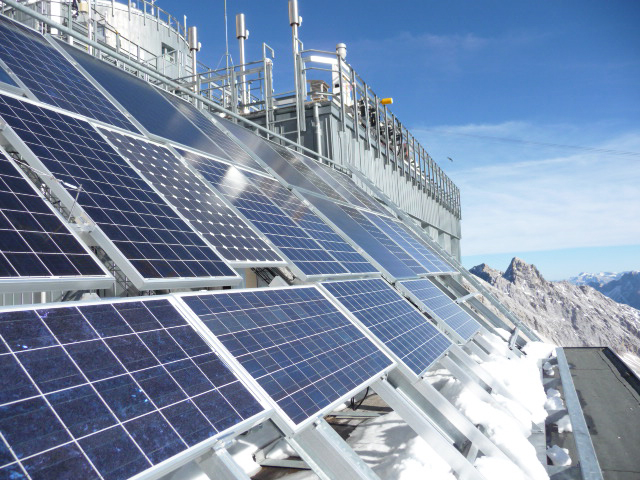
[537, 103]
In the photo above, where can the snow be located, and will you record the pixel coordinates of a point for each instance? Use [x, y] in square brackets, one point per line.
[554, 400]
[394, 452]
[559, 456]
[564, 424]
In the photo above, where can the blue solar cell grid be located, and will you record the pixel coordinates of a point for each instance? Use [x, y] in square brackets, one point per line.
[51, 77]
[393, 320]
[300, 349]
[349, 189]
[317, 229]
[231, 149]
[146, 231]
[34, 242]
[204, 210]
[361, 236]
[410, 243]
[266, 216]
[443, 307]
[108, 390]
[381, 236]
[4, 77]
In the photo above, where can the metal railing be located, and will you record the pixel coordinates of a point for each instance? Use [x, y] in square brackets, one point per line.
[373, 122]
[359, 105]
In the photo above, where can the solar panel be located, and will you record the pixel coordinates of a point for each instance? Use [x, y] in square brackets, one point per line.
[442, 307]
[108, 390]
[51, 77]
[294, 342]
[145, 103]
[369, 244]
[35, 243]
[385, 240]
[266, 216]
[282, 161]
[145, 235]
[349, 189]
[404, 238]
[4, 77]
[393, 320]
[231, 149]
[351, 260]
[205, 211]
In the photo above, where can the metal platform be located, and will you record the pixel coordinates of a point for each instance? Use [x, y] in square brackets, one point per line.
[609, 394]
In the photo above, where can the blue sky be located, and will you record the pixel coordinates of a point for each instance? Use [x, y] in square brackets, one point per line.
[506, 89]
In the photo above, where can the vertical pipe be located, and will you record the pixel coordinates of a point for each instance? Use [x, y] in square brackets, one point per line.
[242, 34]
[318, 128]
[294, 21]
[386, 136]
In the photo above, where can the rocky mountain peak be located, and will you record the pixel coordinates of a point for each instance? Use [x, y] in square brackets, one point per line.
[486, 273]
[520, 270]
[567, 314]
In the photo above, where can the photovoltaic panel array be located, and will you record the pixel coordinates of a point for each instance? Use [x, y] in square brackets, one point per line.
[309, 173]
[51, 77]
[282, 161]
[34, 241]
[232, 150]
[349, 189]
[294, 342]
[145, 103]
[393, 320]
[266, 216]
[385, 240]
[108, 390]
[157, 243]
[205, 211]
[322, 233]
[410, 243]
[359, 234]
[442, 307]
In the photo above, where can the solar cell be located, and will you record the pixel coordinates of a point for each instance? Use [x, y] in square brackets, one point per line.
[51, 77]
[145, 103]
[204, 210]
[266, 216]
[368, 243]
[294, 342]
[35, 242]
[231, 149]
[147, 239]
[351, 260]
[384, 239]
[405, 238]
[108, 390]
[442, 307]
[4, 77]
[393, 320]
[349, 189]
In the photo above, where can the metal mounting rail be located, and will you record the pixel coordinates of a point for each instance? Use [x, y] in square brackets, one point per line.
[589, 465]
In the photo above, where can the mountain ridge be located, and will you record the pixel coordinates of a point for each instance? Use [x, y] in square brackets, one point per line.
[566, 314]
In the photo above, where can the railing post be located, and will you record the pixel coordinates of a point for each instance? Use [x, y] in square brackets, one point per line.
[341, 84]
[366, 115]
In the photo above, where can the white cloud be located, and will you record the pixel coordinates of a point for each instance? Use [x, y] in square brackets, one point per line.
[521, 198]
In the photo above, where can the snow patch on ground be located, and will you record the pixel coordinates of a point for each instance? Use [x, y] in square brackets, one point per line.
[389, 446]
[564, 424]
[559, 456]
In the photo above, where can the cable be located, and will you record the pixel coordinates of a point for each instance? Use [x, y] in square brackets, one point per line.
[539, 144]
[353, 400]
